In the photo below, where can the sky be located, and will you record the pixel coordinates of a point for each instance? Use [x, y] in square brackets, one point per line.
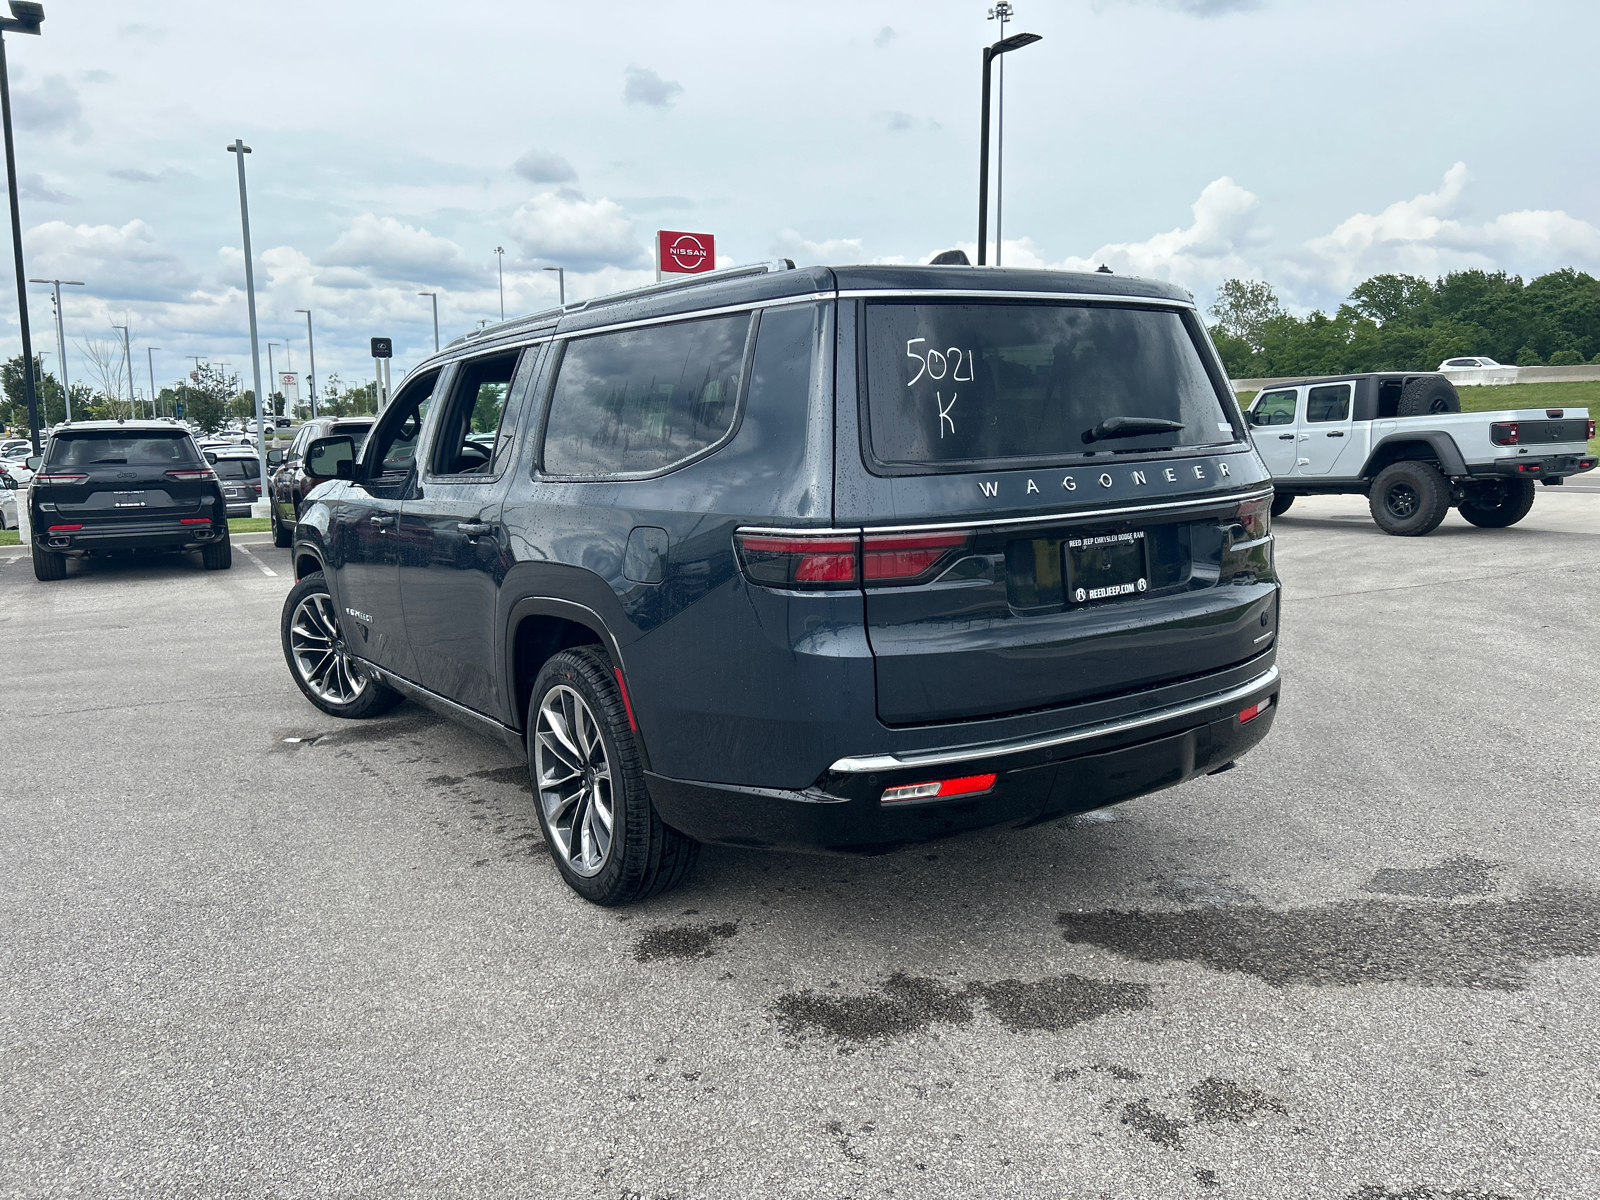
[396, 145]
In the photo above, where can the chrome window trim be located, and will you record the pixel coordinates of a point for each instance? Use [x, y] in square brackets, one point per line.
[940, 758]
[1055, 518]
[988, 294]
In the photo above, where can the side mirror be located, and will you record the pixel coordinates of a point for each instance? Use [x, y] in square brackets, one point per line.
[211, 457]
[331, 458]
[8, 483]
[35, 461]
[274, 458]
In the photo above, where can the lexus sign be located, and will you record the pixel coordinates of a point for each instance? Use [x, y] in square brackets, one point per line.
[686, 253]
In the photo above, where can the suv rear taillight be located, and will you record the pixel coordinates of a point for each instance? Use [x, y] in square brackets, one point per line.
[1247, 543]
[908, 557]
[814, 562]
[61, 477]
[192, 475]
[834, 560]
[1506, 433]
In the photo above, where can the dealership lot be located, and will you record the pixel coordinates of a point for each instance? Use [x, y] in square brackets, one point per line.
[246, 949]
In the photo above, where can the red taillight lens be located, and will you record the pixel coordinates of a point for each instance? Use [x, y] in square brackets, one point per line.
[1591, 431]
[257, 488]
[1255, 516]
[61, 477]
[1255, 710]
[795, 561]
[192, 475]
[907, 557]
[64, 528]
[967, 785]
[196, 520]
[1505, 433]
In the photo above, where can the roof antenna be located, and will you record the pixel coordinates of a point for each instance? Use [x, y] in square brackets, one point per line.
[950, 258]
[1102, 269]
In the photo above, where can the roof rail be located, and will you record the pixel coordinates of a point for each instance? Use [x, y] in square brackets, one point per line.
[651, 289]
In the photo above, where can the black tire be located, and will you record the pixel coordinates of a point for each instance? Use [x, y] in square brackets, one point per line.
[363, 696]
[1497, 503]
[1428, 394]
[1281, 502]
[1409, 498]
[218, 556]
[281, 535]
[48, 565]
[644, 856]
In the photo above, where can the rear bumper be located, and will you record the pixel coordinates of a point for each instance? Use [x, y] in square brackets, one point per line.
[143, 535]
[1535, 466]
[1051, 775]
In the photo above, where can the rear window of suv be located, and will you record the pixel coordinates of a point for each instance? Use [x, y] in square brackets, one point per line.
[959, 383]
[134, 449]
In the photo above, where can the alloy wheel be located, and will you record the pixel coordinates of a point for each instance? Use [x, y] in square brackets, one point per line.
[1402, 500]
[574, 780]
[318, 648]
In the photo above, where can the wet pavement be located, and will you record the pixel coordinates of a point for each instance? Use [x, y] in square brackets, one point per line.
[249, 950]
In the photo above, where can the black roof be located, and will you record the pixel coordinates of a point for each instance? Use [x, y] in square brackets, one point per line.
[1351, 376]
[137, 425]
[771, 281]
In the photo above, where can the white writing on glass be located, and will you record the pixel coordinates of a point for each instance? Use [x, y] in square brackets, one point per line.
[944, 410]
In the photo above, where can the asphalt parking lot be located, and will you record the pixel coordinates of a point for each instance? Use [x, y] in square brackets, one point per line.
[247, 950]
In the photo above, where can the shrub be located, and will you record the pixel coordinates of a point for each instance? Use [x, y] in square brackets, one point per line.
[1566, 358]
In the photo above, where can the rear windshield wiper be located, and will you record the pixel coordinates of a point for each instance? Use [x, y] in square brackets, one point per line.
[1121, 427]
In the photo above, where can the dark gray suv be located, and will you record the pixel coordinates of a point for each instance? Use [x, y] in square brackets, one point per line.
[840, 558]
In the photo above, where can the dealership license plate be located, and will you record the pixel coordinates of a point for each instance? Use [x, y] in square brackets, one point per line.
[1105, 566]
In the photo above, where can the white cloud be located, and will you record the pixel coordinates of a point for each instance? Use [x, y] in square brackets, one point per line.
[35, 187]
[1193, 8]
[565, 230]
[540, 166]
[120, 263]
[1420, 237]
[388, 249]
[644, 86]
[52, 107]
[790, 244]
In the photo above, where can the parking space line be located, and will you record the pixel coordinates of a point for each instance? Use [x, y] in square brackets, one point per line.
[265, 570]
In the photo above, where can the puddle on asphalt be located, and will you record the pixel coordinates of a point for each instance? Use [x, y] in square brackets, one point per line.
[1450, 880]
[906, 1004]
[1373, 1191]
[682, 941]
[1483, 944]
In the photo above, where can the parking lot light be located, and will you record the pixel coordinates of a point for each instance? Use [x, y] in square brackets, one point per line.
[1004, 46]
[26, 17]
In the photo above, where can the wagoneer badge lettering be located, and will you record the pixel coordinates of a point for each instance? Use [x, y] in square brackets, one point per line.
[360, 616]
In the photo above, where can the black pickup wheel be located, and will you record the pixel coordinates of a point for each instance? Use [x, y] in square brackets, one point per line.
[1409, 499]
[1496, 503]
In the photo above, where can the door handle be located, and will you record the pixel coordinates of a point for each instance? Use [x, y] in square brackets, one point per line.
[474, 528]
[1286, 437]
[1336, 433]
[383, 520]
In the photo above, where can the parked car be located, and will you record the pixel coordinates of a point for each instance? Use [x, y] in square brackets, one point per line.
[836, 558]
[122, 485]
[239, 471]
[1404, 443]
[290, 482]
[1469, 370]
[17, 469]
[8, 503]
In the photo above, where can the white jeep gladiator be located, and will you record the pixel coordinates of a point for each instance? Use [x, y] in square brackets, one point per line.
[1402, 441]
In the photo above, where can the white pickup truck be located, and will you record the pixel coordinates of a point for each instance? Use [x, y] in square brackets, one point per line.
[1403, 442]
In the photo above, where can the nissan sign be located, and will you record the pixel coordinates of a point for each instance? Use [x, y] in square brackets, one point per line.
[686, 253]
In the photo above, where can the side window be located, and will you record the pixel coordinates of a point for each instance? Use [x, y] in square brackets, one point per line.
[298, 445]
[1275, 408]
[469, 436]
[1329, 403]
[644, 400]
[389, 453]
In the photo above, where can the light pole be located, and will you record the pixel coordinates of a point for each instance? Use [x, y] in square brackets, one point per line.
[25, 18]
[240, 150]
[272, 376]
[127, 357]
[561, 284]
[61, 338]
[311, 349]
[435, 296]
[150, 362]
[1002, 12]
[500, 259]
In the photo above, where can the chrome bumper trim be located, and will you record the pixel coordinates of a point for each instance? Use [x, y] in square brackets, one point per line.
[940, 758]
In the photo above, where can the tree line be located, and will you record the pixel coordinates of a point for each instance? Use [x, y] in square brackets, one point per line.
[1406, 323]
[209, 397]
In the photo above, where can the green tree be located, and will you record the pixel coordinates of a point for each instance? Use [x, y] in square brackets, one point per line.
[1243, 308]
[47, 390]
[205, 397]
[1386, 298]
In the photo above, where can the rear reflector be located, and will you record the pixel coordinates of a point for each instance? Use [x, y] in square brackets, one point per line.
[967, 785]
[64, 528]
[1255, 710]
[196, 520]
[904, 557]
[1504, 433]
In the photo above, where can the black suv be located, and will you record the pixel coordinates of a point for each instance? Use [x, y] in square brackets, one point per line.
[124, 485]
[840, 558]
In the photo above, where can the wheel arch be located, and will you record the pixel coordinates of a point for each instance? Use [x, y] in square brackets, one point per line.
[1425, 445]
[540, 627]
